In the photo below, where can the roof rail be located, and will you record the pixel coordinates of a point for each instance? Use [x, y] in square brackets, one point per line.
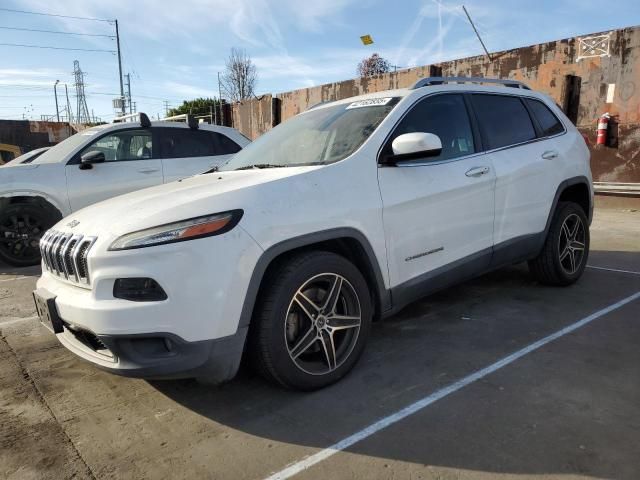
[144, 120]
[185, 117]
[426, 82]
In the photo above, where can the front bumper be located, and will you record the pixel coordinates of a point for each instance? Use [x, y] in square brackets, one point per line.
[196, 331]
[157, 355]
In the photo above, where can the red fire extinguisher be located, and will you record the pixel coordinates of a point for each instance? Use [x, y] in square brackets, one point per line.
[603, 125]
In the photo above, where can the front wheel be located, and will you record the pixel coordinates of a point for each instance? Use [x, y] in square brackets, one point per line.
[566, 249]
[312, 321]
[21, 226]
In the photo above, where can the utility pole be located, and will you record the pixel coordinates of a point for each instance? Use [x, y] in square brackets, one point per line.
[477, 34]
[128, 77]
[69, 114]
[166, 108]
[220, 101]
[124, 110]
[55, 93]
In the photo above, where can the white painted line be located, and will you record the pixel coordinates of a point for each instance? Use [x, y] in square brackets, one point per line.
[613, 270]
[302, 465]
[18, 320]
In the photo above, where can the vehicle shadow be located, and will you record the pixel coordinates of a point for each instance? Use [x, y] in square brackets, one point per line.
[525, 427]
[8, 271]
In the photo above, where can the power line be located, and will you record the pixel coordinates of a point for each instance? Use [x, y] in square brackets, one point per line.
[57, 32]
[56, 48]
[55, 15]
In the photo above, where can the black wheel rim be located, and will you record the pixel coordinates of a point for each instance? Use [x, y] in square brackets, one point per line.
[20, 236]
[322, 324]
[571, 245]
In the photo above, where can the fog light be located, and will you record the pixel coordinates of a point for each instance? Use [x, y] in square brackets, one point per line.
[138, 290]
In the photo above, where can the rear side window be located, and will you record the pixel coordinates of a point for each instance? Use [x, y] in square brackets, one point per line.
[184, 142]
[443, 115]
[223, 144]
[548, 122]
[504, 120]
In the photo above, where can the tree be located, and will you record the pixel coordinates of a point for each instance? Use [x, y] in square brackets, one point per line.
[373, 65]
[239, 79]
[199, 106]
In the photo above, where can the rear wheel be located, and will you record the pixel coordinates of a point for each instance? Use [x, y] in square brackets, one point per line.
[312, 321]
[21, 227]
[566, 249]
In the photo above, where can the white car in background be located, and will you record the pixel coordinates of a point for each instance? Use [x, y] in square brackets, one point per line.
[100, 163]
[342, 214]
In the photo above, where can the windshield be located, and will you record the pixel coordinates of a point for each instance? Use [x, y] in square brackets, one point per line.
[316, 137]
[61, 151]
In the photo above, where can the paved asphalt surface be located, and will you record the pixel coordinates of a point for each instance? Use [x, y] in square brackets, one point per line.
[568, 409]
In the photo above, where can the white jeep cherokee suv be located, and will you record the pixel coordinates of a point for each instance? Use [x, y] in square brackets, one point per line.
[341, 215]
[100, 163]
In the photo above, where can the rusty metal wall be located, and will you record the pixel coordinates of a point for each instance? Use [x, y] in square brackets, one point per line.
[253, 117]
[29, 135]
[544, 67]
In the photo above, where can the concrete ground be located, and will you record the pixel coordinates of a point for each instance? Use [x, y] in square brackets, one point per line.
[569, 409]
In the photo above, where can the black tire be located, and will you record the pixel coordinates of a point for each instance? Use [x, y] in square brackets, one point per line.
[563, 259]
[21, 227]
[280, 323]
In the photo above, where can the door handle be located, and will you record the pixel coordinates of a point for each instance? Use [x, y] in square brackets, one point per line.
[148, 170]
[477, 171]
[549, 155]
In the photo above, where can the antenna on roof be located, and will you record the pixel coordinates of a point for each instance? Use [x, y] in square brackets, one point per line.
[477, 34]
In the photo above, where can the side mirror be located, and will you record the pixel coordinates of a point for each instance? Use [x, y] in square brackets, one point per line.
[415, 145]
[89, 158]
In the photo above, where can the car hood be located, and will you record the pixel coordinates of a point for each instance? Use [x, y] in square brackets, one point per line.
[18, 166]
[175, 201]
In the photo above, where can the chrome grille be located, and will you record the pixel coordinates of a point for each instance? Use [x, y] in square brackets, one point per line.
[65, 255]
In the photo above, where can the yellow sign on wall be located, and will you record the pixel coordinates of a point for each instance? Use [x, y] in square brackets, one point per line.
[366, 39]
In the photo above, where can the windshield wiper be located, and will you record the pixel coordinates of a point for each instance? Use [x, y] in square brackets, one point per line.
[259, 165]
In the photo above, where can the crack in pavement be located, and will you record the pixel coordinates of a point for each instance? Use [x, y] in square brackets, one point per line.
[27, 376]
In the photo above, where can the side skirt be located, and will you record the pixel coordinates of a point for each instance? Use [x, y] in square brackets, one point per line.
[512, 251]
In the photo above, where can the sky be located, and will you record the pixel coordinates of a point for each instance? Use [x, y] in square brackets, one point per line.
[173, 50]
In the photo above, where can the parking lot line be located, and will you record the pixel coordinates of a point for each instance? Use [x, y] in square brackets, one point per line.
[383, 423]
[613, 270]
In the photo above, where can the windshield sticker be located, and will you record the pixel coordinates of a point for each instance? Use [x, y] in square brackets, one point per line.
[372, 102]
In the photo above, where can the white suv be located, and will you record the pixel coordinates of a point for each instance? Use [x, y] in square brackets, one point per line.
[339, 216]
[97, 164]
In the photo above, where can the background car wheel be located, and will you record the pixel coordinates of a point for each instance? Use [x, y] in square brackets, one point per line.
[566, 249]
[311, 322]
[21, 226]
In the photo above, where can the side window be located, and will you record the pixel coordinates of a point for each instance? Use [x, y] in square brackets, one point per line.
[184, 142]
[442, 115]
[504, 120]
[549, 123]
[124, 145]
[223, 145]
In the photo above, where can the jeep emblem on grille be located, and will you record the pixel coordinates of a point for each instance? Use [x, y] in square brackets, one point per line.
[73, 223]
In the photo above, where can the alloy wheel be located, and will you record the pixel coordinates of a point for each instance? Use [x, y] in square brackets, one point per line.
[322, 324]
[572, 244]
[20, 236]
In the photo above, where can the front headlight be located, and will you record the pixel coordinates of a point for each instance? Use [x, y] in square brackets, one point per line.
[190, 229]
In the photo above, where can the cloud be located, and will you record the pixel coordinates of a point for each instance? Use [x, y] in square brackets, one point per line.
[178, 89]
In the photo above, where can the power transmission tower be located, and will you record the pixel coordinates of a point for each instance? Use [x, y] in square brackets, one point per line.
[166, 108]
[82, 111]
